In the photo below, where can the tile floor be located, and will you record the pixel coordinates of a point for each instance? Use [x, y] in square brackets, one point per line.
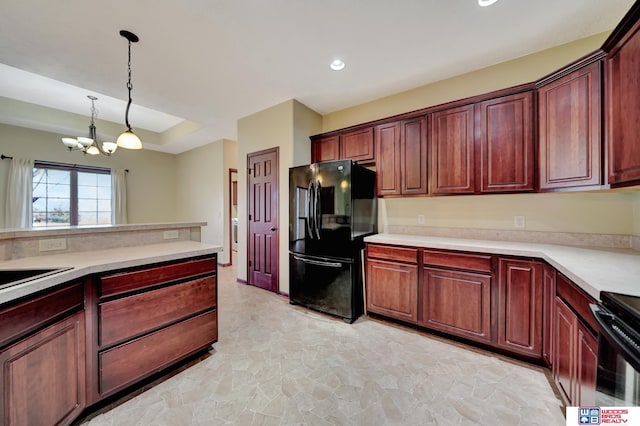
[281, 365]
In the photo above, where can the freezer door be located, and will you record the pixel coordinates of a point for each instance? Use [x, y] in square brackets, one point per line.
[326, 285]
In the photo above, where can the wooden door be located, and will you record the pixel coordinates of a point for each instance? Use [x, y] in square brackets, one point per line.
[456, 302]
[42, 377]
[413, 156]
[357, 145]
[325, 149]
[263, 219]
[506, 143]
[452, 168]
[388, 159]
[569, 130]
[520, 306]
[564, 350]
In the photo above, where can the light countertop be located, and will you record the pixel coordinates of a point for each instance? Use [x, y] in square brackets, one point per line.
[592, 269]
[97, 261]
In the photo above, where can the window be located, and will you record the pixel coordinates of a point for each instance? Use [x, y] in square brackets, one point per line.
[67, 195]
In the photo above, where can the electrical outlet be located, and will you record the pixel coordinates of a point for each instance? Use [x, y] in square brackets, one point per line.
[421, 219]
[53, 244]
[170, 235]
[518, 222]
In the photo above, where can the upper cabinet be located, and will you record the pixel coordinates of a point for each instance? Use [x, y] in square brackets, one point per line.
[484, 147]
[401, 157]
[622, 100]
[356, 145]
[569, 128]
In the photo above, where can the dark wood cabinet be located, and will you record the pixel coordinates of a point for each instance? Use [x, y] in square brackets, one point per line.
[569, 129]
[548, 301]
[456, 302]
[520, 306]
[622, 100]
[452, 168]
[171, 308]
[507, 155]
[388, 159]
[455, 294]
[357, 145]
[575, 347]
[401, 157]
[392, 282]
[325, 149]
[42, 377]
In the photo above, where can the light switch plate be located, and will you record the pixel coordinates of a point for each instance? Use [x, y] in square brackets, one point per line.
[53, 244]
[519, 222]
[170, 235]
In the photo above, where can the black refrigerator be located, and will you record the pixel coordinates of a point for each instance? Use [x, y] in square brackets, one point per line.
[332, 207]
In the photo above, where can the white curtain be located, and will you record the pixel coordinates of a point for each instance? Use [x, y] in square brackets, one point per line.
[19, 202]
[118, 196]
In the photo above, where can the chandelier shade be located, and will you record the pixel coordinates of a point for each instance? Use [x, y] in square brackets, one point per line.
[89, 145]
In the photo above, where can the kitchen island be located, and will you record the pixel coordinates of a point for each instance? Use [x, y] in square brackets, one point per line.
[108, 320]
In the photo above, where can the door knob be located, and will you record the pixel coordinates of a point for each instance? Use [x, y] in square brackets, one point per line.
[273, 229]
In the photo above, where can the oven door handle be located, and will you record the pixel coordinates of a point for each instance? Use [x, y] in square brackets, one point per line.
[319, 262]
[619, 334]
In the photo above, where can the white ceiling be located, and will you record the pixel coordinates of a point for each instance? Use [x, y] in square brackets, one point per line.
[212, 62]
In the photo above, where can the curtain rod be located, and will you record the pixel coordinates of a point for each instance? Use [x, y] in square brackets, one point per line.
[3, 157]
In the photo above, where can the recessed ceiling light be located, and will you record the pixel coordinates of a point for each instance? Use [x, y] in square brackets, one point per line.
[484, 3]
[337, 65]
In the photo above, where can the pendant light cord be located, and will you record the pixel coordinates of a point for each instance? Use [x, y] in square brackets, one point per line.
[129, 86]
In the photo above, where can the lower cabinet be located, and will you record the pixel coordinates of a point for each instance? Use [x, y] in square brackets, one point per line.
[574, 351]
[392, 283]
[456, 302]
[43, 375]
[520, 306]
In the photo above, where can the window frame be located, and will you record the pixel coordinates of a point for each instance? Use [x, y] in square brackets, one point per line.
[73, 187]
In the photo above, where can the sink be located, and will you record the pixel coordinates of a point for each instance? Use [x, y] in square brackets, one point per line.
[11, 277]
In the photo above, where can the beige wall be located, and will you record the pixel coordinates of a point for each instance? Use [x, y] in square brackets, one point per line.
[286, 126]
[636, 213]
[151, 182]
[511, 73]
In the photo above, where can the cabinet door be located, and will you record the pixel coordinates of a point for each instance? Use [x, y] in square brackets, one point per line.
[456, 302]
[452, 151]
[564, 350]
[586, 367]
[43, 376]
[388, 159]
[325, 149]
[392, 289]
[569, 130]
[548, 299]
[358, 145]
[413, 156]
[520, 306]
[506, 143]
[622, 109]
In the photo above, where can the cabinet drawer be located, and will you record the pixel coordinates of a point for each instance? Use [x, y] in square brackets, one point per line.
[400, 254]
[132, 280]
[20, 319]
[576, 299]
[132, 315]
[472, 262]
[134, 360]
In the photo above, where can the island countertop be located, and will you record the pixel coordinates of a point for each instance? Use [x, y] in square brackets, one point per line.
[592, 269]
[97, 261]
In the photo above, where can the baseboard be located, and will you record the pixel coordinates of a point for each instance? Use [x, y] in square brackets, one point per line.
[241, 281]
[224, 265]
[283, 294]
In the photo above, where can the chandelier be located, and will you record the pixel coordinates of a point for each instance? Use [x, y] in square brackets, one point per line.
[128, 139]
[89, 145]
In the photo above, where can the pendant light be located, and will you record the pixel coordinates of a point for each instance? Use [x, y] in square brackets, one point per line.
[128, 139]
[89, 145]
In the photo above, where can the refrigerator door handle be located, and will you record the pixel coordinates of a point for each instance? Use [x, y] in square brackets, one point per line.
[310, 209]
[319, 262]
[318, 209]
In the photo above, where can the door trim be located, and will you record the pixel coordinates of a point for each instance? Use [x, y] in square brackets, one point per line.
[276, 151]
[230, 217]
